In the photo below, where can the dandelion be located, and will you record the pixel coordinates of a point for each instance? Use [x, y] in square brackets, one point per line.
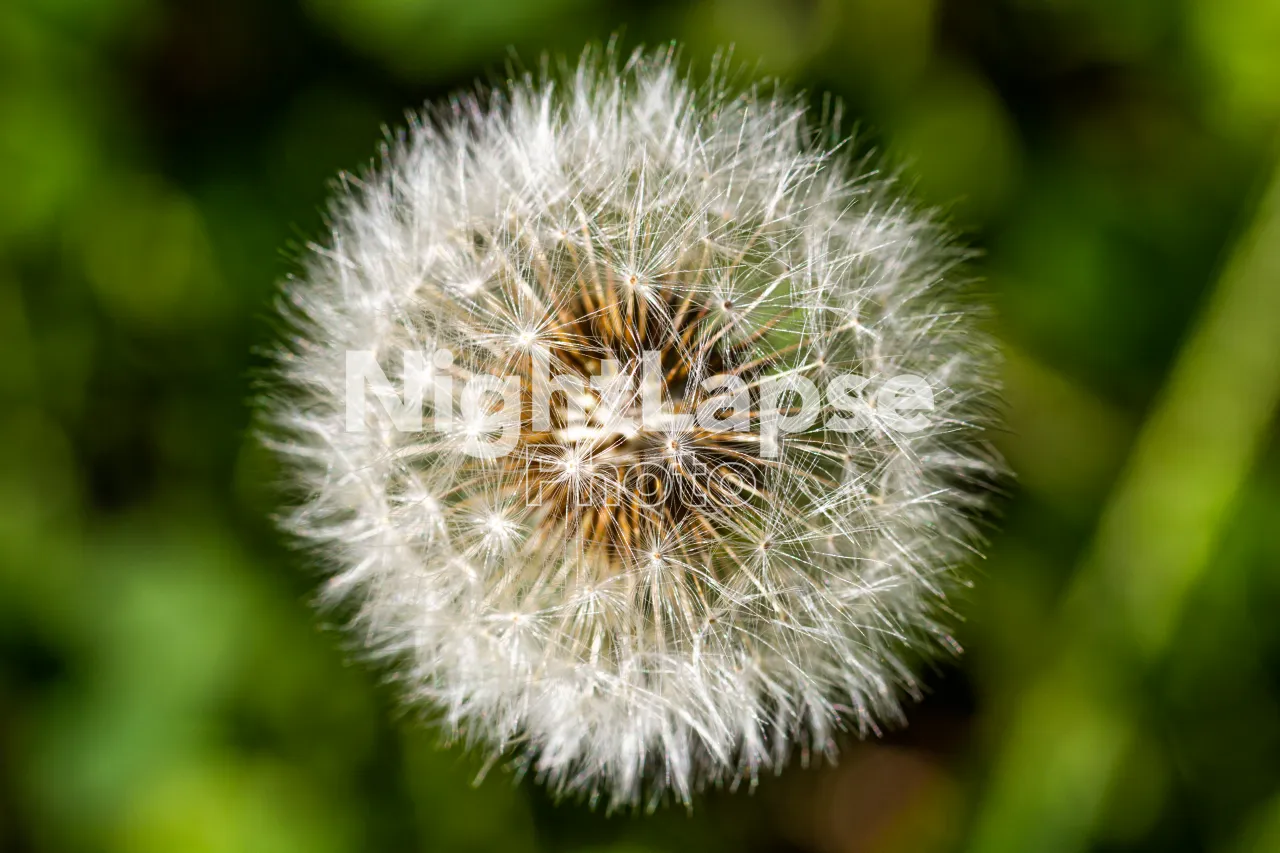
[681, 567]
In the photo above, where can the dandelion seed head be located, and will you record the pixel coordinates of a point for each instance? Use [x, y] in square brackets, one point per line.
[635, 608]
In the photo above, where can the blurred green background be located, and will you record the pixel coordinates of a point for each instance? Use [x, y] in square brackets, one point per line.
[164, 684]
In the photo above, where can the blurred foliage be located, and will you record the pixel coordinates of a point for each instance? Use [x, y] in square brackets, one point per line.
[164, 684]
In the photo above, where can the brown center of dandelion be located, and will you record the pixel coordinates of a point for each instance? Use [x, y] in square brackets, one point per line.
[627, 464]
[635, 452]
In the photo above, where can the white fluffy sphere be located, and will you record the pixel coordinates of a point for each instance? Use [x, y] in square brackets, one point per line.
[636, 604]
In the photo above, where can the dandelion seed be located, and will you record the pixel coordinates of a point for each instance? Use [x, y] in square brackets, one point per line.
[635, 604]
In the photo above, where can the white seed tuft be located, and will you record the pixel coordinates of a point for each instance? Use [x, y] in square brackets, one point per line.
[634, 607]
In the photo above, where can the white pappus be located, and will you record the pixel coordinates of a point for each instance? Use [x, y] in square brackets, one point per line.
[632, 608]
